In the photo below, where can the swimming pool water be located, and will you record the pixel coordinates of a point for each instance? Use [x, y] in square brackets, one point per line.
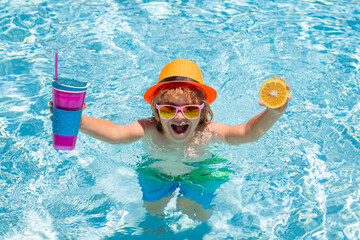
[300, 181]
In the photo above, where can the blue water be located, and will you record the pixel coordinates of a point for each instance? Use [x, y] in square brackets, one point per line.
[300, 181]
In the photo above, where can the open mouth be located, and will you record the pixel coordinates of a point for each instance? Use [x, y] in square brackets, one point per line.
[180, 129]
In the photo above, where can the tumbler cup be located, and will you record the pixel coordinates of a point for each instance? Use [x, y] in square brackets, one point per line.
[68, 100]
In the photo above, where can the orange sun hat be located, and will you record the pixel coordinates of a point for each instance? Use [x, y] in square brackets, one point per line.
[181, 70]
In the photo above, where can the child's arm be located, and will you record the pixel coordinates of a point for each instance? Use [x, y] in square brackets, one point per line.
[109, 132]
[251, 131]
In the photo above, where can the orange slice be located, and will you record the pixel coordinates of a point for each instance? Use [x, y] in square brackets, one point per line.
[274, 93]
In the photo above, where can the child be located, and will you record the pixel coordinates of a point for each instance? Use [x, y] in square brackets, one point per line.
[178, 134]
[175, 126]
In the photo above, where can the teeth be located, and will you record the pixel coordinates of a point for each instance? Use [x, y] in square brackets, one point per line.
[180, 124]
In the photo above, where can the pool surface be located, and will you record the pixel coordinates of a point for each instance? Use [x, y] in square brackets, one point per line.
[300, 181]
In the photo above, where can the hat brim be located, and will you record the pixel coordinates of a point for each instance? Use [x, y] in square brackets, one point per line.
[210, 93]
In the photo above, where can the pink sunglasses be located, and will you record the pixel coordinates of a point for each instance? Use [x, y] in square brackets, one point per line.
[189, 111]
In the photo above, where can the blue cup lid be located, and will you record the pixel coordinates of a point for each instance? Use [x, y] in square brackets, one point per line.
[71, 85]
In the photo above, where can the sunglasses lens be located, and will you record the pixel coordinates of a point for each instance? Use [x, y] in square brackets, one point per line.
[167, 112]
[191, 112]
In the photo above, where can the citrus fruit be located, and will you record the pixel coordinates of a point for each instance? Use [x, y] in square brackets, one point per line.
[274, 93]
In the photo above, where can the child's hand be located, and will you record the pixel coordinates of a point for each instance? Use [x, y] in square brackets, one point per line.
[281, 109]
[51, 108]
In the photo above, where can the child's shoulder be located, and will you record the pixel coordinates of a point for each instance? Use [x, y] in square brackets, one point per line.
[151, 132]
[147, 123]
[215, 126]
[217, 129]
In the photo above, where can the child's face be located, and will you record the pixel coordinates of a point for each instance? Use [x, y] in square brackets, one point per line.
[179, 129]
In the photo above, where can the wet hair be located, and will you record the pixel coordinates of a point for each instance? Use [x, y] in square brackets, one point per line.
[193, 95]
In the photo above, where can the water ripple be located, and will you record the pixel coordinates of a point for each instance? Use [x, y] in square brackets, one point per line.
[299, 181]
